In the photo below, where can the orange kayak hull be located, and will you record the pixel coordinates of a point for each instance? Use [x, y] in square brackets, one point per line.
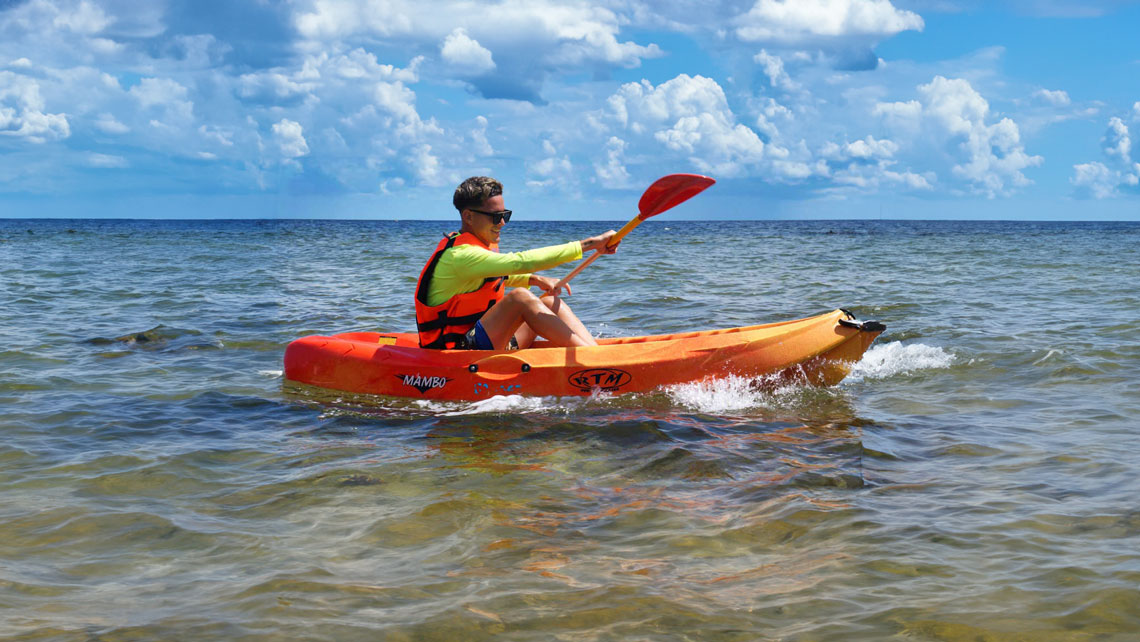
[818, 350]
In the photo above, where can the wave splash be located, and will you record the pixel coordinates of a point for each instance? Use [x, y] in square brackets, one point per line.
[728, 394]
[735, 394]
[517, 404]
[890, 359]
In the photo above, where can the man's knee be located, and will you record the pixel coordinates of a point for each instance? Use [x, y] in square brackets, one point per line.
[554, 303]
[523, 297]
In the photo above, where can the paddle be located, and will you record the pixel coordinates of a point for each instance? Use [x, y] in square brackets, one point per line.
[664, 194]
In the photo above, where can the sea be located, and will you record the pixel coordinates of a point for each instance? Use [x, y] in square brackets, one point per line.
[976, 477]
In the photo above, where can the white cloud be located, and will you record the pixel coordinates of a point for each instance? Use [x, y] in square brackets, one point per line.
[271, 86]
[382, 133]
[1104, 181]
[1117, 142]
[577, 33]
[774, 68]
[769, 111]
[22, 112]
[341, 77]
[1096, 179]
[806, 21]
[952, 116]
[1059, 98]
[868, 164]
[690, 116]
[611, 173]
[82, 18]
[465, 54]
[552, 171]
[357, 64]
[863, 149]
[217, 136]
[480, 146]
[167, 95]
[290, 140]
[784, 116]
[873, 177]
[60, 33]
[106, 161]
[900, 115]
[531, 38]
[954, 105]
[400, 102]
[426, 166]
[338, 19]
[107, 124]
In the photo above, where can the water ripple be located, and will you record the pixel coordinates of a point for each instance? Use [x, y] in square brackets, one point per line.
[971, 480]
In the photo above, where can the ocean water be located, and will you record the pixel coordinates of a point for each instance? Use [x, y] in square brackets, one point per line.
[976, 478]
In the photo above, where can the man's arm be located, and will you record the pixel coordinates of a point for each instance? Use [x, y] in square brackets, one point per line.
[479, 263]
[463, 269]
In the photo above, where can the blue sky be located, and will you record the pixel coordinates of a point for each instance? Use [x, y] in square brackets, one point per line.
[1011, 109]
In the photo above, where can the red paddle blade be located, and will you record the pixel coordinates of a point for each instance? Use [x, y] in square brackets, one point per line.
[670, 191]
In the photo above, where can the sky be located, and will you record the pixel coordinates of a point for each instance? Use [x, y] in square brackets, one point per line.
[377, 109]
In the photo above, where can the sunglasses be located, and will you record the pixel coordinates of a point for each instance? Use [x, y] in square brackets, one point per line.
[496, 217]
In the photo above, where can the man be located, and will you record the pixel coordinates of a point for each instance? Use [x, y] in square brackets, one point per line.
[460, 299]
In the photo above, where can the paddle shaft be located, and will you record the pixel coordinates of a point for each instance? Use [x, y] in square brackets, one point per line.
[665, 193]
[614, 240]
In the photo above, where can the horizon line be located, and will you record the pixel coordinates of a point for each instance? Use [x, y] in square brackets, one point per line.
[591, 220]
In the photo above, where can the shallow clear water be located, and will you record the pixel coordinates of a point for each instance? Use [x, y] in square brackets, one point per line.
[976, 477]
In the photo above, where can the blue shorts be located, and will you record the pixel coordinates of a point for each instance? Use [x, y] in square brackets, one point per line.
[477, 339]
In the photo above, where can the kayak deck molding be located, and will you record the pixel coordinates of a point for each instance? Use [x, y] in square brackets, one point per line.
[819, 350]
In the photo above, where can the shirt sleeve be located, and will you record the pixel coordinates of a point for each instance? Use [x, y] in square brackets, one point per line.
[518, 280]
[481, 263]
[463, 269]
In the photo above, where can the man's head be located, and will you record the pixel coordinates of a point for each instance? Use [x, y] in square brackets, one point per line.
[474, 191]
[479, 200]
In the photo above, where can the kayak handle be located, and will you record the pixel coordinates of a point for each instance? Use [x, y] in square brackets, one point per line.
[865, 326]
[499, 366]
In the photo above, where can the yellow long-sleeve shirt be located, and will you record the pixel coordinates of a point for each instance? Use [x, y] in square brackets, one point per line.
[463, 268]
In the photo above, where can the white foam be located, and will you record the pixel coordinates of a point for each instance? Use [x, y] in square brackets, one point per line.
[1048, 356]
[733, 394]
[716, 396]
[890, 359]
[439, 407]
[271, 373]
[518, 404]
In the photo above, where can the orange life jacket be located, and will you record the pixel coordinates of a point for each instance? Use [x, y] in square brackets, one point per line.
[443, 326]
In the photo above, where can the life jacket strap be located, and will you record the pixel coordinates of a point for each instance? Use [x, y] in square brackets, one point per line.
[443, 320]
[422, 291]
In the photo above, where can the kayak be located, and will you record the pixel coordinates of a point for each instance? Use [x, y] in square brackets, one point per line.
[818, 350]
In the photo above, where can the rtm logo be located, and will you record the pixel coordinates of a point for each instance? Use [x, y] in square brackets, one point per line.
[422, 383]
[607, 379]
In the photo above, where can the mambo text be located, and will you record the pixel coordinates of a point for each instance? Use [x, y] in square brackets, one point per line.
[607, 379]
[422, 383]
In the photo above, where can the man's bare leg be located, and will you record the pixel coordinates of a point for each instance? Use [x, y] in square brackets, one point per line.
[526, 335]
[519, 307]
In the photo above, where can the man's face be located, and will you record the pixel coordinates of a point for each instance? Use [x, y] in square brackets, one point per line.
[482, 225]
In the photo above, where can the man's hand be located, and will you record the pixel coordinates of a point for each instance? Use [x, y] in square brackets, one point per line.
[546, 284]
[600, 242]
